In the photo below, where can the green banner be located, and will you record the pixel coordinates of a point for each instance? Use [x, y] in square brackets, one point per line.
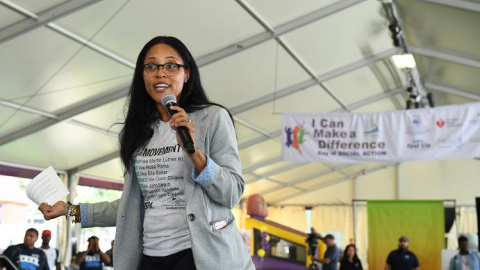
[423, 223]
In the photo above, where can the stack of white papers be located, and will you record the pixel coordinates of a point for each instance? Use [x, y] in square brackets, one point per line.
[47, 187]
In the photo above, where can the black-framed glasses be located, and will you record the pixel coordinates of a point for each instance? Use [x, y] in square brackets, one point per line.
[170, 69]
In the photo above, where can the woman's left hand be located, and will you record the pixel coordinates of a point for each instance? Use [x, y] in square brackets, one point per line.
[181, 119]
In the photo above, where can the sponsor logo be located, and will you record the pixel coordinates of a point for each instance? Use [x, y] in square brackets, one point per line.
[418, 144]
[174, 204]
[440, 123]
[448, 123]
[476, 120]
[372, 128]
[453, 142]
[295, 137]
[417, 126]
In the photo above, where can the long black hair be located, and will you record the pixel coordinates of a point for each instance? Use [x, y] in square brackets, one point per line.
[345, 253]
[141, 110]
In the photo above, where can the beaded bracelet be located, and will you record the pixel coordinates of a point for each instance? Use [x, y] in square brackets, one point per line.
[69, 210]
[76, 213]
[73, 210]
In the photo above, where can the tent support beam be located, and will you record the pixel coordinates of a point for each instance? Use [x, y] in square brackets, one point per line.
[66, 113]
[331, 183]
[452, 91]
[35, 21]
[461, 4]
[445, 56]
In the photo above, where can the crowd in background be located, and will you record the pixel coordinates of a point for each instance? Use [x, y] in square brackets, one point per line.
[398, 259]
[26, 256]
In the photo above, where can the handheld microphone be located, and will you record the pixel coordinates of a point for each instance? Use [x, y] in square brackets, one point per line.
[169, 100]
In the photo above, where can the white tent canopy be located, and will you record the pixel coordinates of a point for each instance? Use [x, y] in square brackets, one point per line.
[66, 67]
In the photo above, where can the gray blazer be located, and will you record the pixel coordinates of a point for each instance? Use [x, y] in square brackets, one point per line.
[206, 203]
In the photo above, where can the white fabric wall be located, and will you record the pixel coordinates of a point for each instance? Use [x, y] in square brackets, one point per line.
[379, 185]
[436, 180]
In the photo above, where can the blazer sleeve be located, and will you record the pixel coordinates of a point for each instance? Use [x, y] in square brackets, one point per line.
[225, 184]
[102, 214]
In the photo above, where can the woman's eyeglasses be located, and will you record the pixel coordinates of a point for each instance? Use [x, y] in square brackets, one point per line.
[170, 69]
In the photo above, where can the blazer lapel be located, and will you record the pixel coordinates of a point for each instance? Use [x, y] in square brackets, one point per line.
[198, 118]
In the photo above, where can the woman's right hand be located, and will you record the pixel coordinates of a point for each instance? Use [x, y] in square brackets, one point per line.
[53, 211]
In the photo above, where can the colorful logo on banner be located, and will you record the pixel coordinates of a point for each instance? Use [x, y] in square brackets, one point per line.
[440, 123]
[295, 137]
[372, 128]
[476, 120]
[452, 142]
[417, 126]
[454, 122]
[418, 130]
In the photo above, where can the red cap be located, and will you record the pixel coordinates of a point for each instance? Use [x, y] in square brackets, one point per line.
[46, 233]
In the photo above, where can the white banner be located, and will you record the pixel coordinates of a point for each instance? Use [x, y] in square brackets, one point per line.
[449, 132]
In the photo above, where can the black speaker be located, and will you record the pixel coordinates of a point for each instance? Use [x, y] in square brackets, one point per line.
[477, 203]
[449, 218]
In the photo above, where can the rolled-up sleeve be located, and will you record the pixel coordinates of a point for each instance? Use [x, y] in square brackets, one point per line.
[103, 214]
[206, 174]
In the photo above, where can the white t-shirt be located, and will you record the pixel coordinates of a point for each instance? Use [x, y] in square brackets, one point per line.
[52, 257]
[159, 168]
[465, 262]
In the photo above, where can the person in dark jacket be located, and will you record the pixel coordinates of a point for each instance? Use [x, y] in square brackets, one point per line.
[93, 258]
[26, 256]
[350, 260]
[402, 258]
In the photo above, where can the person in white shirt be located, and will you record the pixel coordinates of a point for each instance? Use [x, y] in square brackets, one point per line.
[465, 259]
[53, 257]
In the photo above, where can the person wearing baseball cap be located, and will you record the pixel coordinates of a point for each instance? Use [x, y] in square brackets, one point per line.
[53, 257]
[331, 255]
[402, 258]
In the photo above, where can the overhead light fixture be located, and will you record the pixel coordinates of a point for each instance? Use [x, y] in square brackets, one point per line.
[404, 60]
